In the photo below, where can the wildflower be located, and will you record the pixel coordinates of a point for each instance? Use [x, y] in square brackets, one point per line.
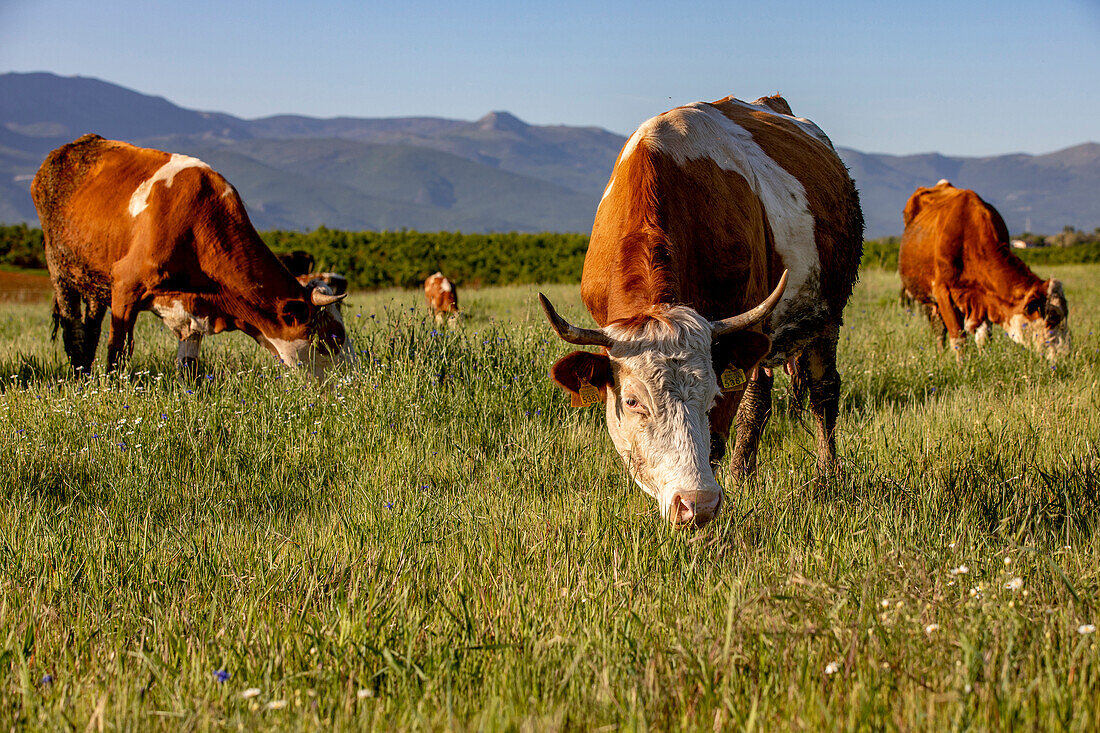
[221, 675]
[250, 693]
[1008, 560]
[364, 693]
[961, 570]
[832, 668]
[47, 679]
[1015, 584]
[1086, 629]
[931, 629]
[276, 705]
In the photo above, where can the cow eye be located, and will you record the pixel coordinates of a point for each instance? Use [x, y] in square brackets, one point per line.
[634, 405]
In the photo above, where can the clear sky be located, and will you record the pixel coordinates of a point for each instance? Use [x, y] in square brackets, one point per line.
[960, 77]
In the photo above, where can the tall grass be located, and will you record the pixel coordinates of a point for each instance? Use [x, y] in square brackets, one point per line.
[439, 541]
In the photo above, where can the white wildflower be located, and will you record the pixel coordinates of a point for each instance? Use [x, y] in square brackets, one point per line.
[276, 705]
[885, 602]
[832, 668]
[364, 693]
[931, 629]
[961, 570]
[1015, 584]
[250, 692]
[1086, 629]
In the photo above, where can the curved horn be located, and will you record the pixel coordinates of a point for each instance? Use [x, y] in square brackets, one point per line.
[320, 299]
[750, 317]
[570, 333]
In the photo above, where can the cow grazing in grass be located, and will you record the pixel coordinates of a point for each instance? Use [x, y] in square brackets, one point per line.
[442, 297]
[956, 261]
[711, 207]
[134, 229]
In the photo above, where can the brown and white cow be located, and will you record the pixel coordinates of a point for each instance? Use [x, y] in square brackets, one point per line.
[442, 297]
[136, 229]
[710, 208]
[956, 261]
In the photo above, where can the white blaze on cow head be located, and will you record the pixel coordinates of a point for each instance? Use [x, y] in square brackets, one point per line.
[314, 334]
[657, 378]
[1042, 322]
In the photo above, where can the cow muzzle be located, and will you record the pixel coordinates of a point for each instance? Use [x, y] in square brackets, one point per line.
[693, 508]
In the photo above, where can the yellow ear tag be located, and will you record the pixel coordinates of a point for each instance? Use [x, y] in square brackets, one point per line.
[732, 379]
[589, 395]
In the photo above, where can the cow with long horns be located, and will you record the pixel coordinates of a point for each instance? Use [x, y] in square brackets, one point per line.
[711, 207]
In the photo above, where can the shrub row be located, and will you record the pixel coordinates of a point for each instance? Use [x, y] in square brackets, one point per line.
[405, 258]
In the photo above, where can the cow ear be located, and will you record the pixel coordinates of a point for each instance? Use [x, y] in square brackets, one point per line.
[294, 312]
[1034, 305]
[740, 349]
[573, 372]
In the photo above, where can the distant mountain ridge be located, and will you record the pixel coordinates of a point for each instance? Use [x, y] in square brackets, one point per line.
[497, 173]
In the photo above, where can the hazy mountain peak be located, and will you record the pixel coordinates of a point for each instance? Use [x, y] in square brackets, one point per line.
[500, 121]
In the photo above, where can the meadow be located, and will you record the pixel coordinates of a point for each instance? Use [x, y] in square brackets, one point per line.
[438, 541]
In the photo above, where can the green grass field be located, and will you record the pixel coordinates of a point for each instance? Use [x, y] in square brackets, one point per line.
[439, 541]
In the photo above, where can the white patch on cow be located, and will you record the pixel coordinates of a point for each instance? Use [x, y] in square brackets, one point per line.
[943, 182]
[732, 148]
[607, 189]
[446, 286]
[180, 322]
[139, 200]
[807, 126]
[668, 368]
[229, 191]
[1018, 328]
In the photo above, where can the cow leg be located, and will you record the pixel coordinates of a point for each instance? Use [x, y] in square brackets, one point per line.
[939, 331]
[952, 319]
[124, 311]
[981, 335]
[752, 416]
[66, 316]
[187, 355]
[94, 311]
[818, 365]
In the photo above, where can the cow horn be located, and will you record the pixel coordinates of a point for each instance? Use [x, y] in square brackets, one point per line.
[320, 299]
[570, 333]
[750, 317]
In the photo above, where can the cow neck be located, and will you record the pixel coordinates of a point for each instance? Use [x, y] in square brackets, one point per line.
[999, 267]
[260, 285]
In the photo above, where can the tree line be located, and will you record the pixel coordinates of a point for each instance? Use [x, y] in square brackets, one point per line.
[404, 258]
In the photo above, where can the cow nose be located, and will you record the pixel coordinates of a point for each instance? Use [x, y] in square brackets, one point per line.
[689, 509]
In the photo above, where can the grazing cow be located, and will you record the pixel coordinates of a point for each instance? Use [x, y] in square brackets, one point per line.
[955, 260]
[298, 261]
[135, 229]
[442, 297]
[709, 208]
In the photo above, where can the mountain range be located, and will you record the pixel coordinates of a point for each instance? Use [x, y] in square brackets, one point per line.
[497, 173]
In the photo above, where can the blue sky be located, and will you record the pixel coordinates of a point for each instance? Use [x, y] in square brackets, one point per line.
[961, 78]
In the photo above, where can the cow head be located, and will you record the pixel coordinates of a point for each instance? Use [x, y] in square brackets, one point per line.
[1042, 320]
[312, 330]
[657, 377]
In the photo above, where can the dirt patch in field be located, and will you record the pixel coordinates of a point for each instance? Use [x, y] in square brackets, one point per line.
[24, 287]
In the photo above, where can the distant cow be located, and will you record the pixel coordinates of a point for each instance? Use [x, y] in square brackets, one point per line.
[136, 229]
[442, 297]
[298, 261]
[709, 208]
[956, 261]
